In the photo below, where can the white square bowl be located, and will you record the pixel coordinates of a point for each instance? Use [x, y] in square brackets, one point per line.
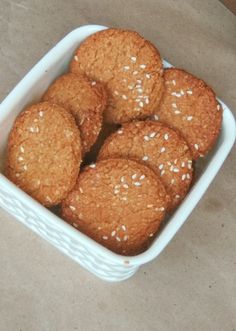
[91, 255]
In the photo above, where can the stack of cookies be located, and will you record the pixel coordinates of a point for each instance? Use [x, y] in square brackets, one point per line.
[143, 127]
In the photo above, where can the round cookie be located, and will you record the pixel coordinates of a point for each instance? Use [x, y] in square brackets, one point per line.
[161, 148]
[129, 66]
[44, 153]
[190, 106]
[84, 99]
[119, 203]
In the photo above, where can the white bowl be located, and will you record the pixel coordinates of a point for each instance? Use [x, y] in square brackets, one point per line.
[91, 255]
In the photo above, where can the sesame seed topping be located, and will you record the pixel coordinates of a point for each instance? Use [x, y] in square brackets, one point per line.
[17, 174]
[145, 158]
[118, 238]
[218, 107]
[130, 87]
[161, 166]
[116, 191]
[113, 233]
[166, 136]
[93, 165]
[162, 150]
[172, 181]
[141, 104]
[134, 176]
[126, 237]
[123, 227]
[140, 90]
[177, 112]
[142, 66]
[183, 177]
[177, 196]
[93, 83]
[189, 92]
[122, 179]
[176, 170]
[150, 234]
[76, 58]
[147, 101]
[116, 92]
[149, 206]
[104, 237]
[189, 118]
[126, 68]
[133, 58]
[173, 82]
[81, 190]
[25, 167]
[146, 138]
[189, 166]
[161, 208]
[75, 225]
[20, 158]
[120, 131]
[188, 175]
[183, 164]
[72, 208]
[174, 105]
[175, 94]
[196, 146]
[182, 92]
[175, 161]
[152, 135]
[124, 97]
[31, 129]
[148, 76]
[137, 184]
[156, 117]
[135, 72]
[41, 113]
[123, 198]
[142, 177]
[162, 172]
[126, 186]
[22, 149]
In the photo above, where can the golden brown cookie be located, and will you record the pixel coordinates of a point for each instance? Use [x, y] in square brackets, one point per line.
[161, 148]
[119, 203]
[190, 106]
[129, 66]
[44, 153]
[85, 99]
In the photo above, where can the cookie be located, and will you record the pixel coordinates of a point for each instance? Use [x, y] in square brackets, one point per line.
[158, 146]
[44, 153]
[190, 106]
[129, 66]
[119, 203]
[84, 99]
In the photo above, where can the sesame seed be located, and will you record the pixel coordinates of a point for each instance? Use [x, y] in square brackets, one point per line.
[93, 83]
[104, 237]
[123, 227]
[178, 95]
[161, 208]
[25, 167]
[142, 66]
[171, 167]
[183, 164]
[177, 112]
[138, 99]
[116, 92]
[72, 208]
[17, 174]
[130, 87]
[75, 225]
[116, 191]
[142, 177]
[172, 181]
[148, 76]
[149, 206]
[81, 190]
[31, 129]
[176, 170]
[41, 113]
[189, 118]
[117, 238]
[189, 166]
[137, 184]
[147, 101]
[133, 58]
[76, 58]
[166, 136]
[218, 107]
[22, 149]
[162, 172]
[134, 176]
[113, 233]
[188, 175]
[152, 135]
[156, 117]
[175, 161]
[93, 165]
[126, 237]
[168, 162]
[182, 92]
[126, 68]
[145, 158]
[141, 104]
[120, 131]
[124, 97]
[177, 196]
[146, 138]
[189, 92]
[123, 198]
[150, 234]
[126, 186]
[161, 166]
[174, 105]
[122, 179]
[20, 158]
[196, 146]
[162, 150]
[173, 81]
[124, 80]
[183, 177]
[135, 72]
[140, 90]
